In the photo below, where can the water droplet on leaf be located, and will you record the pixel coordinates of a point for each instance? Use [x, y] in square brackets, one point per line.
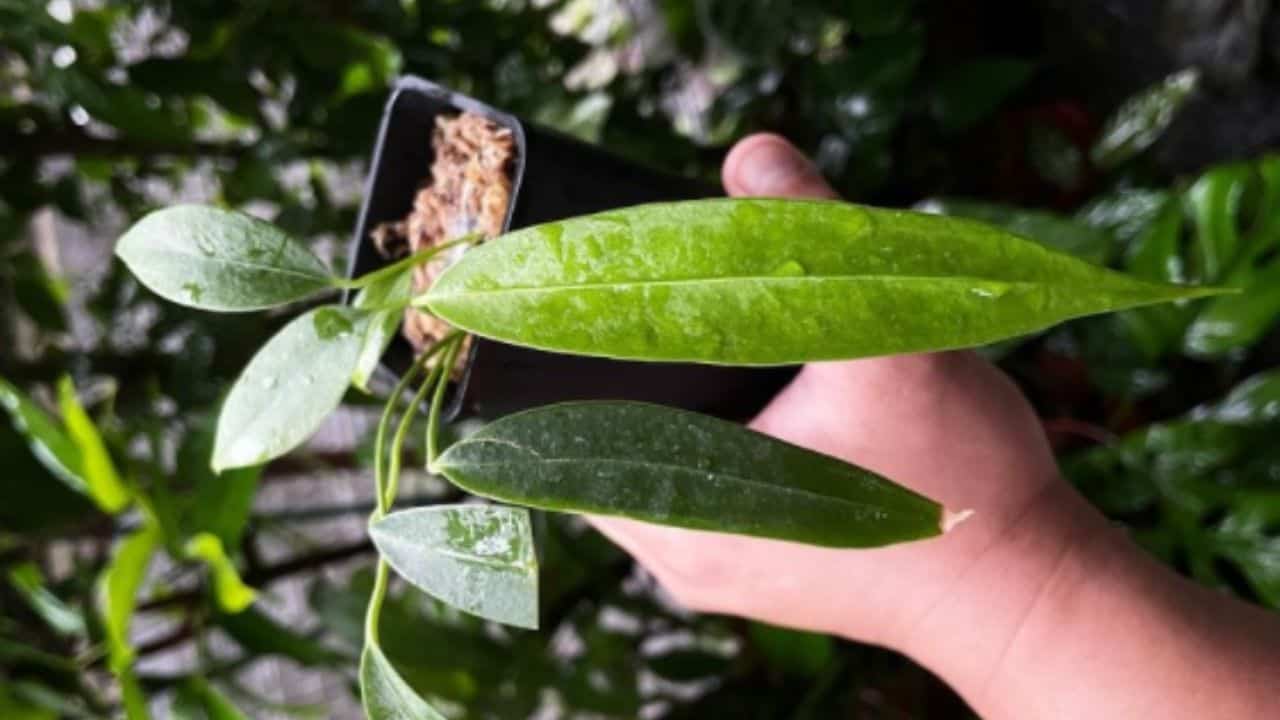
[790, 268]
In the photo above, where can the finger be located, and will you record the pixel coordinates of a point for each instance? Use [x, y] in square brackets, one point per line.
[767, 165]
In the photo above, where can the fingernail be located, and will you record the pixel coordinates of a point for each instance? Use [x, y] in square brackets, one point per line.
[774, 168]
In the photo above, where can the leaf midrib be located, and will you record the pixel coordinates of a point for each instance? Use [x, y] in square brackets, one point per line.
[808, 494]
[435, 294]
[323, 277]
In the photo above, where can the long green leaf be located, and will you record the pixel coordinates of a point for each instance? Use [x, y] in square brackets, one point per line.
[99, 473]
[288, 388]
[679, 468]
[761, 282]
[385, 694]
[118, 591]
[478, 558]
[220, 260]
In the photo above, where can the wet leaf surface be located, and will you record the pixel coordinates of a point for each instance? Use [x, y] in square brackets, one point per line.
[674, 467]
[478, 558]
[761, 282]
[288, 388]
[219, 260]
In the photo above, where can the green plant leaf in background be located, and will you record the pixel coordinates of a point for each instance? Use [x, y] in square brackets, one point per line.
[258, 633]
[802, 653]
[197, 700]
[289, 387]
[29, 582]
[478, 558]
[767, 281]
[232, 594]
[118, 588]
[1214, 203]
[385, 694]
[46, 439]
[1233, 322]
[679, 468]
[99, 473]
[389, 291]
[220, 260]
[969, 93]
[1141, 120]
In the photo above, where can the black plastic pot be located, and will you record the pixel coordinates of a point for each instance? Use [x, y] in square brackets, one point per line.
[555, 177]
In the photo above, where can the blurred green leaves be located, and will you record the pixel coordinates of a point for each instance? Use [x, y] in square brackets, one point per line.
[1140, 121]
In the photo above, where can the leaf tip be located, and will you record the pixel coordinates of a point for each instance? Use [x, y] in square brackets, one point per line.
[952, 518]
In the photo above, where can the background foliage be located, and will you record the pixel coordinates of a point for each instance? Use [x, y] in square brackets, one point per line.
[108, 512]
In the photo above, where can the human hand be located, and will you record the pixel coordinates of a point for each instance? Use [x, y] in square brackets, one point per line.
[947, 425]
[1034, 607]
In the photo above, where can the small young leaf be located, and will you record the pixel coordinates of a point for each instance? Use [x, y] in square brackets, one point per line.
[478, 558]
[383, 324]
[679, 468]
[288, 388]
[386, 696]
[220, 260]
[47, 441]
[99, 473]
[768, 281]
[118, 591]
[232, 594]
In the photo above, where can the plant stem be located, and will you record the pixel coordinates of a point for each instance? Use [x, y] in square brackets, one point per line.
[397, 443]
[437, 402]
[396, 267]
[380, 438]
[388, 480]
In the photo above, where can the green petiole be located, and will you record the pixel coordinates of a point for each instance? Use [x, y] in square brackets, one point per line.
[404, 263]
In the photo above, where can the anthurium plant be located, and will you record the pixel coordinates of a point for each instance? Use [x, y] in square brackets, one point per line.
[726, 281]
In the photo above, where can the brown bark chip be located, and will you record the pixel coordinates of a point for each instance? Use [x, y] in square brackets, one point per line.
[468, 191]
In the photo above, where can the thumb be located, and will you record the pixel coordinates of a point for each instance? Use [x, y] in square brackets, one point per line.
[767, 165]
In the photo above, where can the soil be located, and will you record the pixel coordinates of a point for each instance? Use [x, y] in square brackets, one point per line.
[468, 191]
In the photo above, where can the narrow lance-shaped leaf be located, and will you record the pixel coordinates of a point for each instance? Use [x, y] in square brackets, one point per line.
[47, 441]
[29, 582]
[386, 696]
[679, 468]
[289, 387]
[220, 260]
[99, 473]
[118, 591]
[232, 594]
[766, 281]
[478, 558]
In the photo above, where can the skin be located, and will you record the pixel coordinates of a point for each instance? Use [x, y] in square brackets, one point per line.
[1035, 607]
